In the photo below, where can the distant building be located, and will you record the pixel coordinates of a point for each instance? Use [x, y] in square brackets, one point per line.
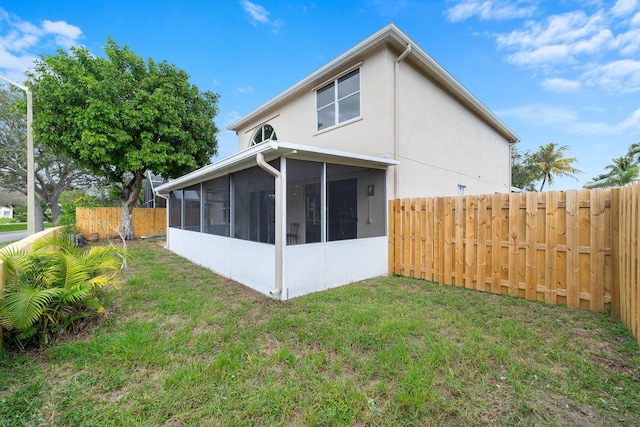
[6, 212]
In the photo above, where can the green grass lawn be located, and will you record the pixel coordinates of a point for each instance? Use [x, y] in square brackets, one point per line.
[19, 226]
[182, 346]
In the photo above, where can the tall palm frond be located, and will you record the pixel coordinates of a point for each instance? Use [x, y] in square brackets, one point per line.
[623, 171]
[25, 305]
[57, 242]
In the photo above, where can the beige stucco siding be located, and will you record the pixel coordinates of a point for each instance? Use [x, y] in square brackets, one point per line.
[443, 144]
[371, 133]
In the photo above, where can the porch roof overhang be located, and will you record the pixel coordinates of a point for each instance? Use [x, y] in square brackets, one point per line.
[272, 150]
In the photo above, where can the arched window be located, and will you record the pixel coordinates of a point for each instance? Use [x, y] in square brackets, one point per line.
[263, 133]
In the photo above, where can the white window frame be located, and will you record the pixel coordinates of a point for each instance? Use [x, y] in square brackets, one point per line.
[261, 131]
[336, 100]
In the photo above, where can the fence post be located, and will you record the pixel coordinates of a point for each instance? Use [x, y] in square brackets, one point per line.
[615, 253]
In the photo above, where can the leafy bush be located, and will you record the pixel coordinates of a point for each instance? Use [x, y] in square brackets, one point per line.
[20, 213]
[55, 285]
[83, 200]
[67, 216]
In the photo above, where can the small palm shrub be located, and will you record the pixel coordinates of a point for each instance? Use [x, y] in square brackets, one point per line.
[48, 289]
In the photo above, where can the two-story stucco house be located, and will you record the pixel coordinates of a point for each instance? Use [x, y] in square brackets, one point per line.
[302, 206]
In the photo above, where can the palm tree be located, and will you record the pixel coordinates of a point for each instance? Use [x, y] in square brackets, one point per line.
[623, 171]
[549, 162]
[54, 285]
[634, 152]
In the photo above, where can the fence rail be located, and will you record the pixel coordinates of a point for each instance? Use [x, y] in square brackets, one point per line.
[577, 248]
[146, 221]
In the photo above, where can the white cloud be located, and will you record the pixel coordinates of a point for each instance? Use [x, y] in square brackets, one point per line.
[631, 122]
[628, 43]
[549, 115]
[258, 14]
[570, 120]
[595, 42]
[21, 41]
[618, 76]
[624, 7]
[561, 85]
[553, 54]
[62, 28]
[244, 90]
[489, 10]
[566, 29]
[66, 35]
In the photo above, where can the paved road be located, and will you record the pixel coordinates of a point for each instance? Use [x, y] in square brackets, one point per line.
[12, 236]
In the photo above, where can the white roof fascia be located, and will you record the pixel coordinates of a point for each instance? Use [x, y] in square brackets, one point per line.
[225, 163]
[235, 161]
[418, 55]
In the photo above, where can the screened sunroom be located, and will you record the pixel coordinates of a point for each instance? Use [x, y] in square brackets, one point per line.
[283, 219]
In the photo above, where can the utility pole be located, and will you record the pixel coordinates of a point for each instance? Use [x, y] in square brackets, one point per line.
[31, 183]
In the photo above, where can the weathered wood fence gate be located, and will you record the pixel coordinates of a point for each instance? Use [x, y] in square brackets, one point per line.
[577, 248]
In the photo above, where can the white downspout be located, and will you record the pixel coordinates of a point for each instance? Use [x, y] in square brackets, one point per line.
[396, 117]
[278, 232]
[166, 200]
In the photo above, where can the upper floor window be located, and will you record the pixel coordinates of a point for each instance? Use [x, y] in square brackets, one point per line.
[264, 133]
[338, 101]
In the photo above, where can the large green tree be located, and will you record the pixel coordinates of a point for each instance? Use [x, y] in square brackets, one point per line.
[52, 173]
[522, 175]
[550, 162]
[120, 116]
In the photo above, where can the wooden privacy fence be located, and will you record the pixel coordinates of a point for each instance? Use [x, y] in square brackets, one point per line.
[558, 247]
[626, 265]
[146, 221]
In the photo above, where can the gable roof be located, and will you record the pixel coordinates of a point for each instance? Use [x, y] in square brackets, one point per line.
[390, 35]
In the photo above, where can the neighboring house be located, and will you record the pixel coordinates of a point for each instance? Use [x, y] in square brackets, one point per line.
[303, 205]
[6, 212]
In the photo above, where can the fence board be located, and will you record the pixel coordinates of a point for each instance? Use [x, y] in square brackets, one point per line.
[146, 221]
[428, 233]
[572, 250]
[514, 247]
[459, 223]
[551, 250]
[483, 224]
[496, 243]
[470, 237]
[531, 248]
[597, 244]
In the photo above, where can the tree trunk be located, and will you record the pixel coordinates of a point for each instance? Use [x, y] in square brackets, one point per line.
[39, 216]
[135, 187]
[54, 206]
[544, 180]
[127, 224]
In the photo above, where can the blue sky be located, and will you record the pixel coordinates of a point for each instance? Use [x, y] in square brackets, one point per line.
[554, 71]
